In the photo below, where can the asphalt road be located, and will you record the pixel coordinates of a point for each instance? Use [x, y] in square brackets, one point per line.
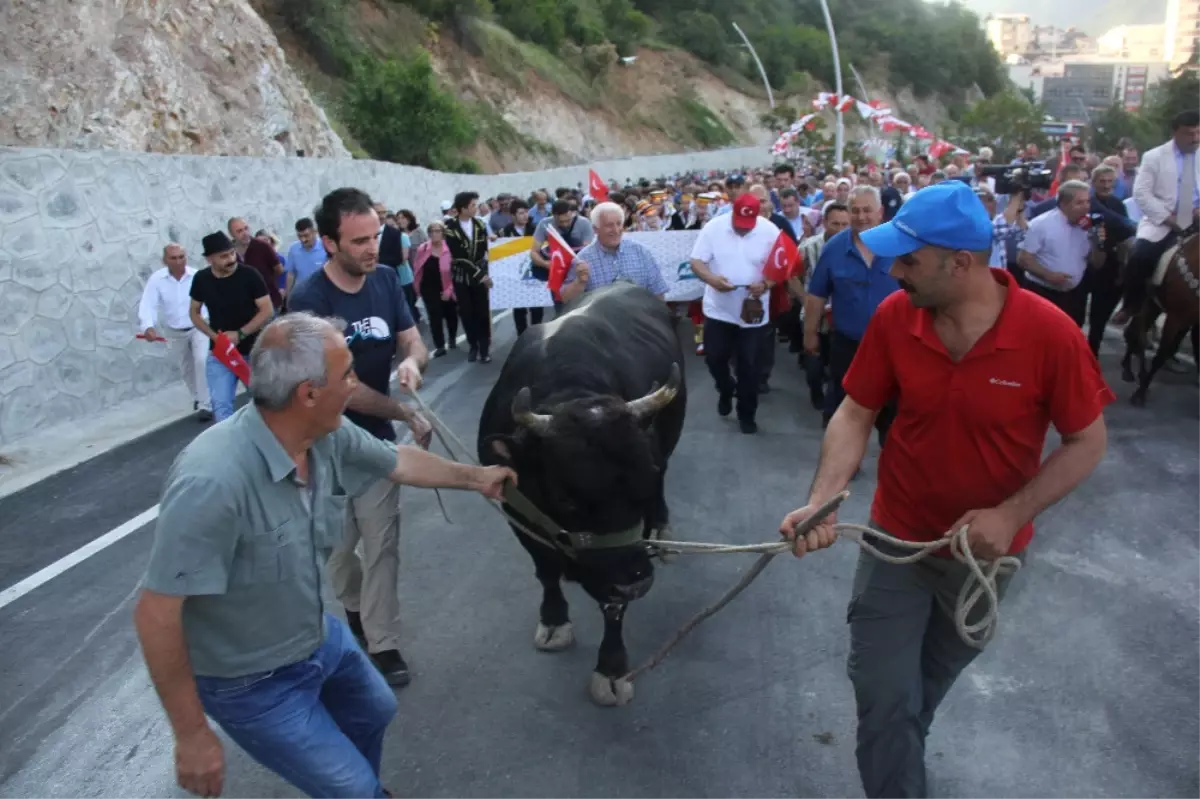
[1091, 688]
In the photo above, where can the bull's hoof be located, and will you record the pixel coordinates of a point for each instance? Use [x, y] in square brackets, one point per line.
[554, 639]
[610, 691]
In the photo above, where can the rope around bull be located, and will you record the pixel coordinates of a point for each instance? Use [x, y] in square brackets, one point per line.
[980, 585]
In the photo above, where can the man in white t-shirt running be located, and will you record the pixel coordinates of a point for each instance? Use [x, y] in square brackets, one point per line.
[728, 256]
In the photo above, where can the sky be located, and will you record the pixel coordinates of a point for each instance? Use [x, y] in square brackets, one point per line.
[1092, 16]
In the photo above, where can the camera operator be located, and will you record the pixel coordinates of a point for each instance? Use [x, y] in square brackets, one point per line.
[1059, 247]
[1104, 284]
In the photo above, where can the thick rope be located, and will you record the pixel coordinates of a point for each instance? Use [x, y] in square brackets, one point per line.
[446, 436]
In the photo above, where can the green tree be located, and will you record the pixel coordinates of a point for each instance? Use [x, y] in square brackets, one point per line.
[702, 34]
[1115, 123]
[1005, 120]
[1167, 98]
[398, 112]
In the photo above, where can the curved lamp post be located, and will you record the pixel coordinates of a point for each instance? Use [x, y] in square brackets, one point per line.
[839, 142]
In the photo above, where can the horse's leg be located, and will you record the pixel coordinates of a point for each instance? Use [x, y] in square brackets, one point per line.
[1174, 330]
[1131, 349]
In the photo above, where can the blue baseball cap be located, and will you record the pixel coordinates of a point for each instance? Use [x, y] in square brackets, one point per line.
[946, 215]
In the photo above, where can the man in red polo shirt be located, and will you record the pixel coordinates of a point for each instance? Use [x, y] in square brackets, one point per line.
[980, 369]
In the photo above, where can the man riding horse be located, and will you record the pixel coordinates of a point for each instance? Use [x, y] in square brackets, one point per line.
[1167, 250]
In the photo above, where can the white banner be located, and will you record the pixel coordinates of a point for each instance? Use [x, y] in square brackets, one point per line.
[514, 286]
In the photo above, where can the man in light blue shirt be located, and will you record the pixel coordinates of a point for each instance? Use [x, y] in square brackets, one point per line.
[610, 258]
[305, 256]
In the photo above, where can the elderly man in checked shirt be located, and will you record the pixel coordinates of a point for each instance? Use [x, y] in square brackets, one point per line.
[609, 258]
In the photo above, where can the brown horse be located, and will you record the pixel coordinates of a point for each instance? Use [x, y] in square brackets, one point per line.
[1178, 296]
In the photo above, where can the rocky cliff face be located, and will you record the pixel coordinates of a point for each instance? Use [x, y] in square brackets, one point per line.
[204, 77]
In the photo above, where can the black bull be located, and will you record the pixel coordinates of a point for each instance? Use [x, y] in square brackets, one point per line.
[589, 441]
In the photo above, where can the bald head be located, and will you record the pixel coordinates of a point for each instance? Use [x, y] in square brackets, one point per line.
[174, 257]
[764, 199]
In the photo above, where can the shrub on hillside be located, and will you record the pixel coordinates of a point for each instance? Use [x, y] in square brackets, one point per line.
[398, 112]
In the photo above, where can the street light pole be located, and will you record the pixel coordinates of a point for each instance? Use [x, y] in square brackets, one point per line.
[839, 141]
[761, 71]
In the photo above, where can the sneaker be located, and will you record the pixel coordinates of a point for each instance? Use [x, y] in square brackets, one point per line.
[392, 666]
[817, 397]
[748, 426]
[725, 404]
[439, 352]
[453, 345]
[485, 358]
[472, 355]
[204, 415]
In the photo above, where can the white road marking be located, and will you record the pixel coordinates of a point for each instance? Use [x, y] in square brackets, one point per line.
[43, 576]
[12, 594]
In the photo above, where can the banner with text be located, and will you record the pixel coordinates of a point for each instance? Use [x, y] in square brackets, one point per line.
[514, 286]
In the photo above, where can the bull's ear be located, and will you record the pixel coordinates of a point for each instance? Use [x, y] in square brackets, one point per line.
[501, 448]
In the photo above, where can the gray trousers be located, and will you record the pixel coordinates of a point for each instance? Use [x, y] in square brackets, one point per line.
[369, 585]
[904, 655]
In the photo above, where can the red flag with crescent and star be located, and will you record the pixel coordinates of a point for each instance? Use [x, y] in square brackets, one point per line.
[225, 352]
[597, 187]
[561, 258]
[783, 261]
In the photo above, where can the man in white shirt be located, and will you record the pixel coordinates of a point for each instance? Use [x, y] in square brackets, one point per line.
[728, 257]
[1058, 249]
[167, 290]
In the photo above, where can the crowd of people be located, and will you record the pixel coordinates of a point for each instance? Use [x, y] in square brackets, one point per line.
[929, 306]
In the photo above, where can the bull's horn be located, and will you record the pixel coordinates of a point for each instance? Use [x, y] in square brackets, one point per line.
[658, 398]
[525, 417]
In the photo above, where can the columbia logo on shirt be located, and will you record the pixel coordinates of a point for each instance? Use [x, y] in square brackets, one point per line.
[995, 381]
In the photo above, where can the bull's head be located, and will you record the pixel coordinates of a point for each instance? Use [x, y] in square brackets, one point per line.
[593, 465]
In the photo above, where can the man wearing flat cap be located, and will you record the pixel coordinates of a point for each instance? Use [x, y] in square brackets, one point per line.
[980, 368]
[238, 306]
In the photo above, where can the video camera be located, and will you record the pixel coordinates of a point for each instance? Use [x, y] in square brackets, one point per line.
[1019, 178]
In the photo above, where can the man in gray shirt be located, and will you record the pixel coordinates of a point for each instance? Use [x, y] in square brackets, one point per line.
[230, 617]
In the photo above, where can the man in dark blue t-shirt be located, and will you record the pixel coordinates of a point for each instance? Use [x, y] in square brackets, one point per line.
[379, 328]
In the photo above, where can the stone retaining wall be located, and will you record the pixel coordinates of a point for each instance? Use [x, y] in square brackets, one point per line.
[81, 231]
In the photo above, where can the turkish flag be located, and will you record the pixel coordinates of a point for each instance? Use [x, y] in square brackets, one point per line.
[224, 351]
[845, 103]
[597, 187]
[783, 261]
[561, 258]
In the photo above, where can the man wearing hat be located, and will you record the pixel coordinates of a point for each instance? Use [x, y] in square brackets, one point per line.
[980, 368]
[238, 305]
[728, 256]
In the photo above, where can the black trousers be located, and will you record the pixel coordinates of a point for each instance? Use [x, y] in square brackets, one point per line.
[1072, 302]
[440, 312]
[1104, 291]
[816, 366]
[725, 342]
[766, 358]
[474, 309]
[1142, 261]
[522, 317]
[842, 350]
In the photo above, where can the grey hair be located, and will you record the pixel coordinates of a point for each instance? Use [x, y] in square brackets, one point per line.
[290, 351]
[1103, 169]
[1068, 191]
[860, 190]
[604, 208]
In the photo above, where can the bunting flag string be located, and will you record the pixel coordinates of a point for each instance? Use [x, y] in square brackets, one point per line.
[875, 110]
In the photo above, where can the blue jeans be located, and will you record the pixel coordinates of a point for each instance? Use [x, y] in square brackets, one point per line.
[222, 386]
[318, 723]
